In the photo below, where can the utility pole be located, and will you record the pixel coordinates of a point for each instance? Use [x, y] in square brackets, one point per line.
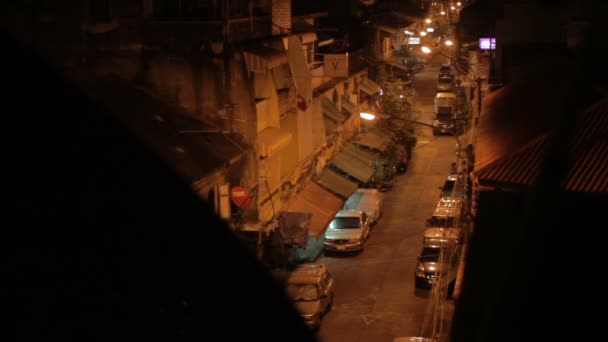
[478, 80]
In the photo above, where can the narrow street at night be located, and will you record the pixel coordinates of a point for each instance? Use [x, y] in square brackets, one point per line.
[375, 295]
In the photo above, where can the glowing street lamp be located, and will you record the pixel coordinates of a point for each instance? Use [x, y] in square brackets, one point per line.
[430, 29]
[453, 8]
[458, 4]
[422, 33]
[449, 42]
[367, 116]
[425, 49]
[428, 21]
[442, 13]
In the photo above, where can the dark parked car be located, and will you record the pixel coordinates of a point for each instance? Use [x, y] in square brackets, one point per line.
[448, 188]
[443, 124]
[438, 258]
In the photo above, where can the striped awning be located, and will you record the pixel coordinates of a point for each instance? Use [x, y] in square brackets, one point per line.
[349, 106]
[370, 87]
[368, 157]
[353, 166]
[330, 110]
[373, 140]
[336, 183]
[321, 203]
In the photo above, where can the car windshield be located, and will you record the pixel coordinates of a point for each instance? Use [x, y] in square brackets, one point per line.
[443, 117]
[302, 292]
[429, 254]
[448, 185]
[345, 223]
[441, 221]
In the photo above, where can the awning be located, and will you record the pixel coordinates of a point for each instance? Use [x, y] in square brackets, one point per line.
[368, 157]
[260, 58]
[353, 166]
[336, 183]
[373, 140]
[330, 125]
[330, 109]
[324, 39]
[398, 65]
[348, 106]
[322, 204]
[369, 86]
[272, 139]
[308, 37]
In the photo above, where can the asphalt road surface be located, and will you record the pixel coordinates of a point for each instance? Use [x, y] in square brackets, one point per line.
[375, 298]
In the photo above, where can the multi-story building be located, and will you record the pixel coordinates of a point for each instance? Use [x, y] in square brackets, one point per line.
[249, 75]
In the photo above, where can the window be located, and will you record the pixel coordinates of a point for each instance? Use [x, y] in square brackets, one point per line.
[100, 12]
[171, 9]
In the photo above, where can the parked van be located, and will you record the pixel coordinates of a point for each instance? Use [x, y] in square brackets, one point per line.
[310, 287]
[445, 103]
[369, 201]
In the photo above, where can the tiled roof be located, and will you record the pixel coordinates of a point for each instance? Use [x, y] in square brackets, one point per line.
[586, 154]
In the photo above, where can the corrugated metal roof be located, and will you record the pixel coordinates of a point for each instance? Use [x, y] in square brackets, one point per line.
[587, 154]
[192, 155]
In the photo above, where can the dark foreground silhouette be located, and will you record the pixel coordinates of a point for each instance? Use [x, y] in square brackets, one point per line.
[103, 242]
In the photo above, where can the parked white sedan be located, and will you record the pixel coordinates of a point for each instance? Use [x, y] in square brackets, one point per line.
[369, 201]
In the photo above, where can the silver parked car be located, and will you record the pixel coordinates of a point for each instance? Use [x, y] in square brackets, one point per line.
[347, 232]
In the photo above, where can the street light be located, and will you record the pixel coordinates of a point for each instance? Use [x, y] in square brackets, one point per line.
[371, 116]
[367, 116]
[427, 50]
[422, 33]
[449, 42]
[428, 21]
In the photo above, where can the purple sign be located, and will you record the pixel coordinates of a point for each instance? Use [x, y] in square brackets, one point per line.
[487, 43]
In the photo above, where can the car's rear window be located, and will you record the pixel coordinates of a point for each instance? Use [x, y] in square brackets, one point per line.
[345, 223]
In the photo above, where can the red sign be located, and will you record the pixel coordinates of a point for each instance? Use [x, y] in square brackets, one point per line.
[301, 103]
[240, 197]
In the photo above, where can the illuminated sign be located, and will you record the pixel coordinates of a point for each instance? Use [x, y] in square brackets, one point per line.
[487, 43]
[413, 40]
